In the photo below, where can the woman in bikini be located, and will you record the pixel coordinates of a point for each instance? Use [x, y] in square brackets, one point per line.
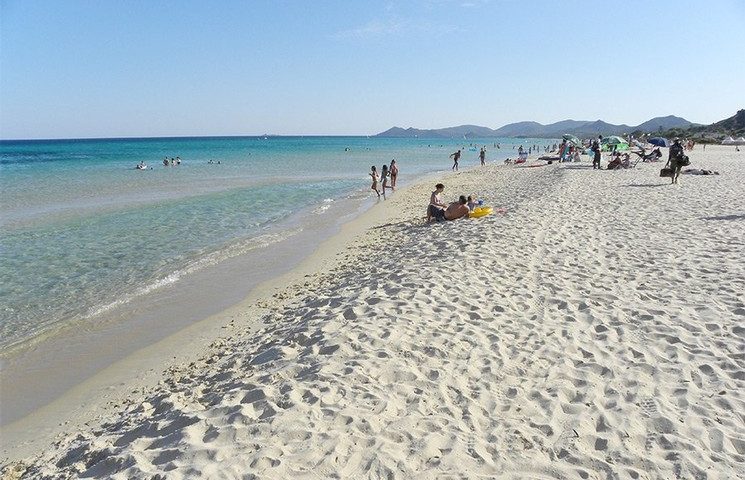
[394, 173]
[374, 174]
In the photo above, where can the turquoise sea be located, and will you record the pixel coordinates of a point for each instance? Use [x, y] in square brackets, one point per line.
[82, 230]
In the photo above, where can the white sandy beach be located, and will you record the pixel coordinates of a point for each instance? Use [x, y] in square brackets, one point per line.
[594, 330]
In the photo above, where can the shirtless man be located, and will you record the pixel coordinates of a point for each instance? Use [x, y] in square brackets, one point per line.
[436, 207]
[457, 209]
[455, 156]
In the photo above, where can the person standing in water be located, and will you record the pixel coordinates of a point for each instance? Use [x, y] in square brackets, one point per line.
[482, 156]
[394, 173]
[374, 174]
[384, 180]
[455, 156]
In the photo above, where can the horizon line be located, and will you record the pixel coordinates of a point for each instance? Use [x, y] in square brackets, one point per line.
[268, 135]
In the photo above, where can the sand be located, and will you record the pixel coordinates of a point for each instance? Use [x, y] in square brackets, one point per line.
[595, 329]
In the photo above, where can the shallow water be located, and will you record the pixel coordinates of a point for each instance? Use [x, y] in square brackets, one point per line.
[83, 231]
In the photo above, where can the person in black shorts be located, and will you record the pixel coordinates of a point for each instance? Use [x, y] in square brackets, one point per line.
[455, 156]
[596, 146]
[436, 206]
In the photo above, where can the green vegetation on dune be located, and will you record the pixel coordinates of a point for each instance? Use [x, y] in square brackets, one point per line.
[733, 126]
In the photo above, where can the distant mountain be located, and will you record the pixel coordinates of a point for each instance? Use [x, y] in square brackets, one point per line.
[468, 131]
[734, 125]
[599, 127]
[580, 128]
[714, 133]
[526, 129]
[664, 123]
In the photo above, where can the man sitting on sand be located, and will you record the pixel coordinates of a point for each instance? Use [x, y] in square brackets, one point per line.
[457, 209]
[454, 211]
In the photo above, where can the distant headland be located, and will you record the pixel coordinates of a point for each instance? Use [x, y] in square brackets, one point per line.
[669, 125]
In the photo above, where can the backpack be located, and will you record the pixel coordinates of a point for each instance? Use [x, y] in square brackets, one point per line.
[676, 151]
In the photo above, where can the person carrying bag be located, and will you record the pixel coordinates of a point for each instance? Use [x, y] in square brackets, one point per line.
[676, 160]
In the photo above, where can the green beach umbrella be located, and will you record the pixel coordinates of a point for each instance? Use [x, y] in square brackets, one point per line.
[613, 140]
[571, 138]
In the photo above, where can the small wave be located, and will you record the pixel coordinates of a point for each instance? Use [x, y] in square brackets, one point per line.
[201, 263]
[21, 158]
[324, 206]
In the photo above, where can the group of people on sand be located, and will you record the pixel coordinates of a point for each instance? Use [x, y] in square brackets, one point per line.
[386, 173]
[619, 161]
[568, 152]
[439, 210]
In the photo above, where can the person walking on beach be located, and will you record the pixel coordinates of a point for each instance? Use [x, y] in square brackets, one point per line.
[596, 152]
[374, 174]
[676, 159]
[455, 156]
[482, 156]
[394, 173]
[384, 179]
[436, 207]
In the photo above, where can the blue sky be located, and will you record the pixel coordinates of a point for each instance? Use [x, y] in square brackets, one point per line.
[72, 69]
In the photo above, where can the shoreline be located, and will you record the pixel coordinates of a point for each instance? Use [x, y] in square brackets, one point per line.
[63, 356]
[562, 338]
[73, 393]
[52, 359]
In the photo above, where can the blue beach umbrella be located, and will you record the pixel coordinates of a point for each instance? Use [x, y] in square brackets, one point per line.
[659, 142]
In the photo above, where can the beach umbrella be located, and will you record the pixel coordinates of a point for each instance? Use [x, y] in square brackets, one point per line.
[613, 140]
[571, 138]
[659, 142]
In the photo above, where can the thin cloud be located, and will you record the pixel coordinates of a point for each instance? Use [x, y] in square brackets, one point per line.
[393, 27]
[461, 3]
[373, 28]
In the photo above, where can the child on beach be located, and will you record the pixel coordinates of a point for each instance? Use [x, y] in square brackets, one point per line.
[473, 202]
[374, 174]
